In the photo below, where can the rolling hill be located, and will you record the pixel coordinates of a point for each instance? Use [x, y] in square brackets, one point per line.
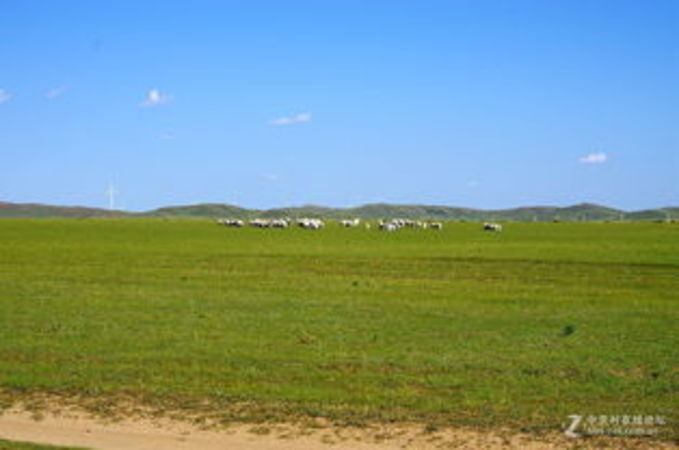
[580, 212]
[36, 210]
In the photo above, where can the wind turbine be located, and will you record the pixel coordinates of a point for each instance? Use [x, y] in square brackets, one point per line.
[111, 192]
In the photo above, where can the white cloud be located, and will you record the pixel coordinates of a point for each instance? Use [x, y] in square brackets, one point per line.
[166, 136]
[54, 93]
[594, 158]
[271, 177]
[154, 98]
[291, 120]
[4, 96]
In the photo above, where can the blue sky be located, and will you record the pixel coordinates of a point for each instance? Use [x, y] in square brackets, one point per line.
[473, 103]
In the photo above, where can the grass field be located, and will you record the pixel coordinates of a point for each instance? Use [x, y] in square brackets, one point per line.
[458, 327]
[10, 445]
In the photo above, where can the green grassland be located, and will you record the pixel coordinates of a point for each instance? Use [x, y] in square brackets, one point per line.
[11, 445]
[457, 327]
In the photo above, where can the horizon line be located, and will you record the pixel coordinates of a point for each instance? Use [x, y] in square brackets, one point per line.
[313, 205]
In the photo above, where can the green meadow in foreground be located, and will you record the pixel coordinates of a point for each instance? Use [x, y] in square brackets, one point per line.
[455, 327]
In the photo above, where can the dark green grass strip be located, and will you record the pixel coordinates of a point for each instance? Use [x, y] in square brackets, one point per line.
[12, 445]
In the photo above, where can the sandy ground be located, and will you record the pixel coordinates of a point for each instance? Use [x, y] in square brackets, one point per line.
[80, 430]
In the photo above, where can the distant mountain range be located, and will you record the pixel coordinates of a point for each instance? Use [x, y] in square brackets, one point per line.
[581, 212]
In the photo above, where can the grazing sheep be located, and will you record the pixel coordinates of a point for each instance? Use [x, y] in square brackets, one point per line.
[348, 223]
[259, 223]
[230, 222]
[279, 223]
[311, 224]
[492, 227]
[389, 226]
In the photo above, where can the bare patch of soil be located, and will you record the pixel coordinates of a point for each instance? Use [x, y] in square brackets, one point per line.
[70, 426]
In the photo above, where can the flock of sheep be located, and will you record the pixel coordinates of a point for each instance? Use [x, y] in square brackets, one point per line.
[317, 224]
[395, 224]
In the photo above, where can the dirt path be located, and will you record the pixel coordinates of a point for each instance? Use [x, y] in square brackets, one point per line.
[80, 430]
[142, 435]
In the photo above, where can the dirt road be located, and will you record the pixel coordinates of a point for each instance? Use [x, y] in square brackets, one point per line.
[80, 430]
